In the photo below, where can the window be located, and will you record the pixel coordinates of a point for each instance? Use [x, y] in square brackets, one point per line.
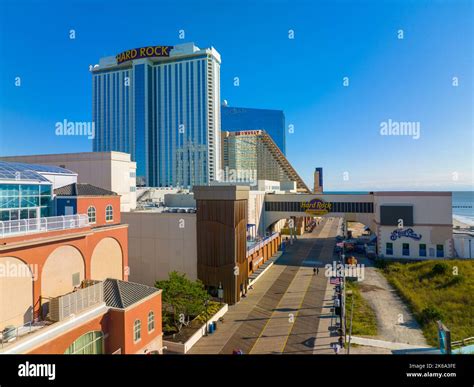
[406, 249]
[91, 214]
[109, 213]
[439, 251]
[389, 249]
[137, 330]
[422, 250]
[91, 343]
[151, 321]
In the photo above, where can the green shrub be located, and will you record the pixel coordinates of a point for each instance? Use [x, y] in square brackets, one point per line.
[430, 314]
[440, 268]
[381, 264]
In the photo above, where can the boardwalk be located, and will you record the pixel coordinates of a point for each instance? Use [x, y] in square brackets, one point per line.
[282, 313]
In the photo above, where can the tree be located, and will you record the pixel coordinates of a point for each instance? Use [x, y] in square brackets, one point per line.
[182, 298]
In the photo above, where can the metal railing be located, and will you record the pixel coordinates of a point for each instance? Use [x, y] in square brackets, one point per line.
[35, 225]
[60, 308]
[260, 244]
[11, 334]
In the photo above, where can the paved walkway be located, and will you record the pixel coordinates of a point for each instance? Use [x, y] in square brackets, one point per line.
[282, 312]
[257, 274]
[384, 344]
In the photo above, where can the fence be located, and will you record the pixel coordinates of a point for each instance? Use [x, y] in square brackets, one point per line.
[73, 303]
[35, 225]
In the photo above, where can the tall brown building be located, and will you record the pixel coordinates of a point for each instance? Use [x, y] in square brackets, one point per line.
[318, 180]
[221, 238]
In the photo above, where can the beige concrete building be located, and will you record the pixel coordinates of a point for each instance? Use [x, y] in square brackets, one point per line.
[113, 171]
[160, 243]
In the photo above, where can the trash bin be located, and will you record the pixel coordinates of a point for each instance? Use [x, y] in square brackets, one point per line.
[210, 328]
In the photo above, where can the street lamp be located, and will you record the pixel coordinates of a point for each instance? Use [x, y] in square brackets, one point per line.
[206, 303]
[220, 292]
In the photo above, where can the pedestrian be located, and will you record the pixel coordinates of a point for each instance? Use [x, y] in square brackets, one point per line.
[314, 270]
[341, 342]
[317, 271]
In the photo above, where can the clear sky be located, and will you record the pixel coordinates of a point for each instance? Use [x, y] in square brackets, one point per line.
[336, 127]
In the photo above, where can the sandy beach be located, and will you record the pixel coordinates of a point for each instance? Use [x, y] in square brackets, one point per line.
[457, 223]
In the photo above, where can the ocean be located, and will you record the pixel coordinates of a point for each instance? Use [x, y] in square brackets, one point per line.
[463, 206]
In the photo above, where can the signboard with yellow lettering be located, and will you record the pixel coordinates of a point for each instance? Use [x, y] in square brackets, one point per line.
[143, 52]
[316, 207]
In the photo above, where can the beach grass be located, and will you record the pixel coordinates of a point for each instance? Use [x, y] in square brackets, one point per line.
[364, 320]
[437, 290]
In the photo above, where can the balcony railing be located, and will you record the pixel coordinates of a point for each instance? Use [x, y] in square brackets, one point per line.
[36, 225]
[255, 247]
[90, 294]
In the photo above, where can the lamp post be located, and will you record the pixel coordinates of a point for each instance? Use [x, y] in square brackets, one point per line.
[206, 303]
[220, 292]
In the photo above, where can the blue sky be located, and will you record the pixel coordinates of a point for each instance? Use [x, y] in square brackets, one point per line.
[335, 127]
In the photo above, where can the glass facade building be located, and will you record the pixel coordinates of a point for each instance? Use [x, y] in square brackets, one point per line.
[271, 121]
[24, 193]
[164, 111]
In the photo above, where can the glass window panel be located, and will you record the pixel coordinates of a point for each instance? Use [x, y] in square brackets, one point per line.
[45, 200]
[29, 201]
[9, 202]
[29, 189]
[45, 189]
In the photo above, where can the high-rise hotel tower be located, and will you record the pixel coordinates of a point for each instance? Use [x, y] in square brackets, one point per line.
[161, 104]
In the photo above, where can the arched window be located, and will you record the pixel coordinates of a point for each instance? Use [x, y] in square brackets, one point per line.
[91, 214]
[109, 213]
[137, 330]
[151, 321]
[90, 343]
